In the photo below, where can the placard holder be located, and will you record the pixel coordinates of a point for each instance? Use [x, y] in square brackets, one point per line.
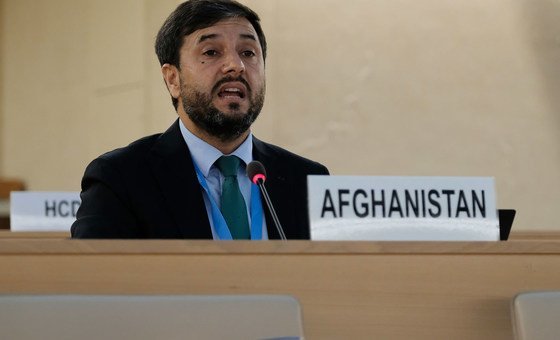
[505, 217]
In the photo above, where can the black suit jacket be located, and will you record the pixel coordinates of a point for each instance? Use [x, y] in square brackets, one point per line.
[149, 189]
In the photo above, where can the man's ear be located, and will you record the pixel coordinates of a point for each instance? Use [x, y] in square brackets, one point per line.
[171, 77]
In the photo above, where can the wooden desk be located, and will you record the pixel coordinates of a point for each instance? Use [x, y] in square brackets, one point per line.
[7, 185]
[4, 214]
[348, 290]
[33, 234]
[535, 235]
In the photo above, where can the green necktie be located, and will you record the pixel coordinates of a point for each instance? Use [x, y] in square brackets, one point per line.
[233, 205]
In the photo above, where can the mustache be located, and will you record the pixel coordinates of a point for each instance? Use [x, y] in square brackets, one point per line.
[229, 80]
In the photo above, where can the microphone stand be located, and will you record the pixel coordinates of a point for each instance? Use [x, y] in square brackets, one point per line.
[260, 184]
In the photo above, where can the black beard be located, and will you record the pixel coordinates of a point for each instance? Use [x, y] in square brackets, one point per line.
[206, 116]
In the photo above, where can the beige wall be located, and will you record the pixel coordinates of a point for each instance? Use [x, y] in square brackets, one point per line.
[386, 87]
[2, 29]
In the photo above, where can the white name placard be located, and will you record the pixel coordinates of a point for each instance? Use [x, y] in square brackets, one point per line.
[403, 208]
[43, 211]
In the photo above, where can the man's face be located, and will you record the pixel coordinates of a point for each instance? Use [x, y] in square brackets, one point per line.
[222, 78]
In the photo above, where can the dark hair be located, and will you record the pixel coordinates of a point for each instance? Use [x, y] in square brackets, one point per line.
[193, 15]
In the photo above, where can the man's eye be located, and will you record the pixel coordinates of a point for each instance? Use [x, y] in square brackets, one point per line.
[211, 53]
[248, 53]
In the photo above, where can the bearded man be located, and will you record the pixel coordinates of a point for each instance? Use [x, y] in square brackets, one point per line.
[190, 182]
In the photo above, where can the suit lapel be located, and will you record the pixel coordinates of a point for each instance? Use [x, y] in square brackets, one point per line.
[278, 190]
[173, 169]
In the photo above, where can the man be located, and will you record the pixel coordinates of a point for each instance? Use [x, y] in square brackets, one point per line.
[190, 181]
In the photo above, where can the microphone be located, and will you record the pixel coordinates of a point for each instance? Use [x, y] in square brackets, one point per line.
[257, 175]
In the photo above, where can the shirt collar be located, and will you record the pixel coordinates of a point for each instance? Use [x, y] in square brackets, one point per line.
[204, 155]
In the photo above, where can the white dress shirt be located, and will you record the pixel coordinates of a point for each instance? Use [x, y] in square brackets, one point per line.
[204, 156]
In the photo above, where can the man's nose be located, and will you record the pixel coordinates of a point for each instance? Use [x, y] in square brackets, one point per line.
[233, 64]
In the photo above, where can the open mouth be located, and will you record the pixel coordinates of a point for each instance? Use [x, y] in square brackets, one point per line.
[232, 90]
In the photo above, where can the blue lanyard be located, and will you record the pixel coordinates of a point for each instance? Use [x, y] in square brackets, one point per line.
[220, 224]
